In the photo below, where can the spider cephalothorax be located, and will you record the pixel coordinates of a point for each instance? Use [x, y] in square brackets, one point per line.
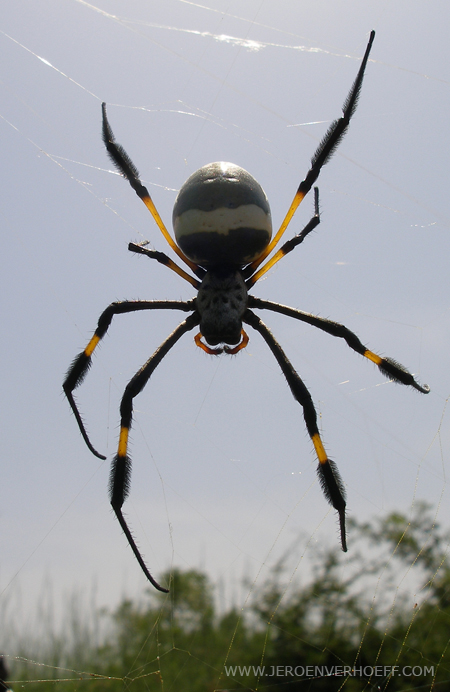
[223, 233]
[221, 303]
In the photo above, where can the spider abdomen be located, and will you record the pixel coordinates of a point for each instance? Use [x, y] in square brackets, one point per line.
[222, 217]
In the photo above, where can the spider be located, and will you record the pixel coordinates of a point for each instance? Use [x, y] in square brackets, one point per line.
[223, 230]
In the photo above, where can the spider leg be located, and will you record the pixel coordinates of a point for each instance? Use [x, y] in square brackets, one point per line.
[125, 165]
[121, 467]
[329, 477]
[83, 361]
[290, 244]
[162, 258]
[324, 151]
[388, 366]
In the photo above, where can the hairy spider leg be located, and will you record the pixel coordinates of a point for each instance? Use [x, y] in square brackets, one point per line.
[329, 477]
[290, 244]
[119, 484]
[388, 366]
[324, 151]
[83, 361]
[125, 165]
[162, 258]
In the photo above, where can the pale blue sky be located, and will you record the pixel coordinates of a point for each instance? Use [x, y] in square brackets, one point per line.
[222, 466]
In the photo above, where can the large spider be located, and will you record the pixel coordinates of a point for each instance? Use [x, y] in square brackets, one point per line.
[223, 233]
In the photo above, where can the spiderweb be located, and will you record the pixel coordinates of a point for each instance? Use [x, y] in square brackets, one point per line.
[224, 490]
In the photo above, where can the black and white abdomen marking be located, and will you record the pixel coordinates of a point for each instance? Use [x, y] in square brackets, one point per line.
[222, 216]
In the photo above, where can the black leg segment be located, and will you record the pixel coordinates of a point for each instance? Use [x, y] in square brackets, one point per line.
[323, 153]
[125, 165]
[330, 479]
[80, 366]
[162, 258]
[286, 247]
[121, 467]
[388, 366]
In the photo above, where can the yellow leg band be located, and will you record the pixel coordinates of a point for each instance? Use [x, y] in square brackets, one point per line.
[88, 351]
[373, 357]
[123, 442]
[160, 223]
[299, 196]
[320, 451]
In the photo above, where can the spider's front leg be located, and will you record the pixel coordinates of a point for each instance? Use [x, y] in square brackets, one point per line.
[330, 479]
[81, 364]
[387, 366]
[121, 467]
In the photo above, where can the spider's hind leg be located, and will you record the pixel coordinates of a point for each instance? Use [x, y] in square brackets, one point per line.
[330, 479]
[125, 165]
[323, 153]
